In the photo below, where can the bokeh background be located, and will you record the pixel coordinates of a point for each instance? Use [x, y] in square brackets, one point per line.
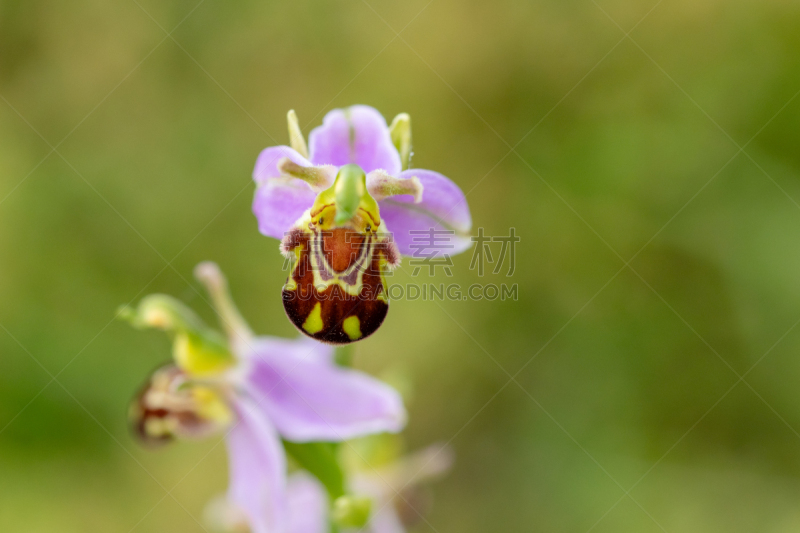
[646, 379]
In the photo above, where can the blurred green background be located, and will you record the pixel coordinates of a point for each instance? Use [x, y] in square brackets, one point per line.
[628, 376]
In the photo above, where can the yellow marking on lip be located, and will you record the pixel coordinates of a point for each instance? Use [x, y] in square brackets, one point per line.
[313, 323]
[352, 326]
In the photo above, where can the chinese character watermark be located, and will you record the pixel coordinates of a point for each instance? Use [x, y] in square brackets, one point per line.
[428, 246]
[482, 252]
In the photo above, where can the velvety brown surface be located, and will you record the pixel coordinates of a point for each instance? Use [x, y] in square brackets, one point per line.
[341, 250]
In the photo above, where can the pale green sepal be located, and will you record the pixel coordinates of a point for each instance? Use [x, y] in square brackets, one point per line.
[239, 333]
[161, 312]
[351, 511]
[201, 355]
[296, 139]
[197, 349]
[349, 188]
[400, 131]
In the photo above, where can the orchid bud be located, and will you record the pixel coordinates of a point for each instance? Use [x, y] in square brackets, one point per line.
[351, 511]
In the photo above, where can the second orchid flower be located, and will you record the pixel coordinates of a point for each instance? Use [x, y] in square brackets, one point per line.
[267, 395]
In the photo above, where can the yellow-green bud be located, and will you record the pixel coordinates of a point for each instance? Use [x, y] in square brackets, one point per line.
[351, 511]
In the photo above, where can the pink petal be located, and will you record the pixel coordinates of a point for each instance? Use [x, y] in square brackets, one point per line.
[267, 163]
[308, 504]
[301, 347]
[257, 469]
[443, 211]
[385, 520]
[358, 134]
[310, 398]
[279, 201]
[384, 517]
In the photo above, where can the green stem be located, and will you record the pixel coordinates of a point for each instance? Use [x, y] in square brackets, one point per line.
[345, 354]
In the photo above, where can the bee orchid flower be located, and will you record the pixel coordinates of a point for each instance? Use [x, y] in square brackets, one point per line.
[346, 207]
[258, 392]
